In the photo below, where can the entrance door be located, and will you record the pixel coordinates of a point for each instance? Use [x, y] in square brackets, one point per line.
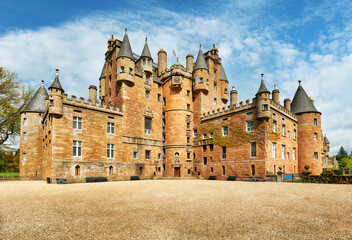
[177, 172]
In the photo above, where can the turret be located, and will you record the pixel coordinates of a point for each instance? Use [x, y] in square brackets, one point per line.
[189, 62]
[125, 62]
[224, 85]
[263, 99]
[55, 96]
[233, 97]
[200, 73]
[309, 132]
[111, 43]
[102, 82]
[146, 59]
[162, 62]
[276, 95]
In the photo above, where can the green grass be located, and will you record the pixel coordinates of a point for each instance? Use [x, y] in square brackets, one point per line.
[9, 174]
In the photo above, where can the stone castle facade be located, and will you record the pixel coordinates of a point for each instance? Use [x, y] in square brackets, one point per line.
[153, 121]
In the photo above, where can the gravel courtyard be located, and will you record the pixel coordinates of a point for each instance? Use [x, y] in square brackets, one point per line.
[175, 209]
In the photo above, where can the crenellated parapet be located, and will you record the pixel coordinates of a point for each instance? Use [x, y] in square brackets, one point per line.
[275, 105]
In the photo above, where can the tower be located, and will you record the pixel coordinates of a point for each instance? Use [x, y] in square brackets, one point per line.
[200, 74]
[233, 97]
[309, 131]
[162, 62]
[125, 63]
[189, 63]
[224, 84]
[55, 96]
[146, 60]
[263, 99]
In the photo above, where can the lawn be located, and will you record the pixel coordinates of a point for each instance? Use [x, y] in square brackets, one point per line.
[9, 174]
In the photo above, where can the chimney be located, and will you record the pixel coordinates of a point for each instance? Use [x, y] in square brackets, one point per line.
[233, 97]
[276, 94]
[93, 94]
[287, 104]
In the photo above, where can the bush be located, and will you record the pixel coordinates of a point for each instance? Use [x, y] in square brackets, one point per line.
[338, 172]
[212, 177]
[134, 177]
[231, 178]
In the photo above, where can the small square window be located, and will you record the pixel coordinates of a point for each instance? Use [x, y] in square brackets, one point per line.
[147, 154]
[225, 130]
[265, 107]
[315, 155]
[250, 126]
[147, 92]
[122, 69]
[111, 128]
[134, 155]
[204, 136]
[211, 135]
[194, 132]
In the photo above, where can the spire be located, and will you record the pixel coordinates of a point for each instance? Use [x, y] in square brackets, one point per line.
[125, 50]
[222, 73]
[37, 103]
[326, 141]
[103, 71]
[262, 88]
[301, 103]
[146, 52]
[200, 62]
[56, 84]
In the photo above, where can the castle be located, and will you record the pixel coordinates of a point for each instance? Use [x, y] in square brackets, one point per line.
[152, 121]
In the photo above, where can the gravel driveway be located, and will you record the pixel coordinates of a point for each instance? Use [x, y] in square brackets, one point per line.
[175, 209]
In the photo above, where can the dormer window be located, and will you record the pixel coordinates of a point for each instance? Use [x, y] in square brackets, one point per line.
[122, 70]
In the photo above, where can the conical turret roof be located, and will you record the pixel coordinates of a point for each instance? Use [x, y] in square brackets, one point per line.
[262, 88]
[56, 84]
[200, 62]
[222, 73]
[125, 50]
[146, 52]
[326, 140]
[37, 103]
[301, 103]
[103, 71]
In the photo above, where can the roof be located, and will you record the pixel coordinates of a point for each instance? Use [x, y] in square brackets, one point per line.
[301, 103]
[200, 62]
[262, 88]
[103, 71]
[37, 103]
[56, 84]
[177, 64]
[126, 50]
[146, 52]
[326, 140]
[222, 73]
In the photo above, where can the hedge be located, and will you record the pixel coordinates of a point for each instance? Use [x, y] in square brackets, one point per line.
[329, 177]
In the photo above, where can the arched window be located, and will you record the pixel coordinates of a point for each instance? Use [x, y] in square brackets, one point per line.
[284, 169]
[111, 170]
[253, 170]
[274, 169]
[223, 170]
[177, 154]
[77, 170]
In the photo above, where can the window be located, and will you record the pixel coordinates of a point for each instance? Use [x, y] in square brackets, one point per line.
[201, 80]
[294, 134]
[143, 61]
[204, 148]
[214, 101]
[147, 154]
[24, 121]
[188, 155]
[223, 170]
[288, 156]
[140, 170]
[194, 132]
[111, 128]
[134, 155]
[294, 154]
[211, 170]
[194, 155]
[265, 107]
[274, 169]
[110, 151]
[189, 171]
[253, 150]
[110, 170]
[188, 107]
[214, 87]
[315, 155]
[24, 136]
[24, 156]
[147, 79]
[211, 147]
[131, 70]
[315, 122]
[214, 74]
[315, 136]
[274, 126]
[159, 156]
[122, 70]
[211, 135]
[204, 136]
[147, 93]
[188, 139]
[148, 126]
[283, 151]
[274, 150]
[225, 130]
[250, 126]
[159, 97]
[283, 130]
[205, 160]
[51, 102]
[253, 170]
[77, 170]
[164, 100]
[77, 123]
[188, 125]
[223, 153]
[225, 90]
[188, 93]
[288, 134]
[77, 148]
[149, 62]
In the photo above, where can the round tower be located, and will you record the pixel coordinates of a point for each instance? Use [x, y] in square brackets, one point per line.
[189, 62]
[224, 85]
[233, 97]
[276, 94]
[263, 100]
[162, 62]
[146, 60]
[125, 62]
[55, 97]
[201, 74]
[309, 137]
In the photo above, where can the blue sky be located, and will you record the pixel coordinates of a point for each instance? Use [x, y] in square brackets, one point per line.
[286, 40]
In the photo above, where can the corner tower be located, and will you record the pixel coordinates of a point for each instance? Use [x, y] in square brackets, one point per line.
[309, 131]
[263, 100]
[125, 62]
[55, 96]
[200, 73]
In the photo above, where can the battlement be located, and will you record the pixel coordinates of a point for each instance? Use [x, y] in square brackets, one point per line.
[283, 110]
[81, 102]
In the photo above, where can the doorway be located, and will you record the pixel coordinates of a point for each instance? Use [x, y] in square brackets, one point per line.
[177, 172]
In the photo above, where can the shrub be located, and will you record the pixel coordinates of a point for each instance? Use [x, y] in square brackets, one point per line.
[212, 177]
[338, 172]
[231, 178]
[134, 177]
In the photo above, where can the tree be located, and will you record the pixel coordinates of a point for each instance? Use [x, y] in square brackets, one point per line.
[14, 96]
[341, 154]
[9, 161]
[351, 154]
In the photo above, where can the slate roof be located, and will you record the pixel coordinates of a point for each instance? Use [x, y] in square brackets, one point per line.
[126, 50]
[222, 73]
[301, 103]
[200, 62]
[262, 88]
[103, 71]
[326, 141]
[37, 103]
[56, 84]
[146, 52]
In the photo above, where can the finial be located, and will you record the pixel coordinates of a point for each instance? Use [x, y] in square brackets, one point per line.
[262, 75]
[299, 82]
[57, 71]
[233, 88]
[177, 59]
[145, 39]
[112, 36]
[42, 82]
[125, 30]
[200, 46]
[213, 45]
[275, 86]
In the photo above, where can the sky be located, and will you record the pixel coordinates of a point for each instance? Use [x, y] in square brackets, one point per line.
[286, 40]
